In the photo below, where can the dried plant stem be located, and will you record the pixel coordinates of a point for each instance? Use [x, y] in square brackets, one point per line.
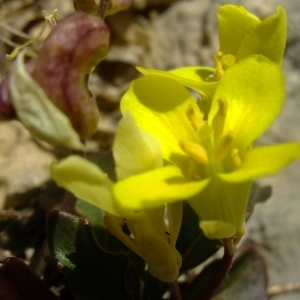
[38, 264]
[175, 292]
[222, 270]
[102, 8]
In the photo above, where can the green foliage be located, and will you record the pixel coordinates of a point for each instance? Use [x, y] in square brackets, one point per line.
[92, 272]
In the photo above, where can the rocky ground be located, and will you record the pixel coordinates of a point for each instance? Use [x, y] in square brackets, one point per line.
[161, 34]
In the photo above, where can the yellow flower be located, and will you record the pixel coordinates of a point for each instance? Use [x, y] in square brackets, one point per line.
[242, 33]
[144, 232]
[211, 163]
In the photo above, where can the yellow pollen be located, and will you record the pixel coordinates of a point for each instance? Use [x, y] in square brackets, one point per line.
[223, 145]
[196, 151]
[219, 68]
[196, 122]
[219, 118]
[227, 60]
[236, 159]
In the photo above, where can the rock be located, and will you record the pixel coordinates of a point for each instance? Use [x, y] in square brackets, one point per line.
[24, 164]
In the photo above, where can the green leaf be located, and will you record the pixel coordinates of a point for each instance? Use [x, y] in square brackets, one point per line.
[92, 272]
[35, 110]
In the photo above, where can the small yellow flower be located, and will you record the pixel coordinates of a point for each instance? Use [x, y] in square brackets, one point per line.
[144, 232]
[211, 163]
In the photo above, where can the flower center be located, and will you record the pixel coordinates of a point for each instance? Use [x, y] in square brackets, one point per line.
[213, 145]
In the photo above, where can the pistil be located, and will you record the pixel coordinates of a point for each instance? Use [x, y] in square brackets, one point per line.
[236, 159]
[219, 118]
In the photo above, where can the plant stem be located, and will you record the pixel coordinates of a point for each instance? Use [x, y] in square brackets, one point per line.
[222, 271]
[38, 264]
[175, 291]
[102, 8]
[68, 202]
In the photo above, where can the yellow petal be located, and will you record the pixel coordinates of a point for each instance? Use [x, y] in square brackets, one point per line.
[217, 229]
[222, 201]
[135, 151]
[263, 161]
[159, 106]
[175, 217]
[268, 38]
[235, 22]
[154, 188]
[161, 258]
[85, 180]
[254, 90]
[192, 77]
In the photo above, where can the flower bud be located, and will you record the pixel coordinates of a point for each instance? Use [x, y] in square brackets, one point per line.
[7, 111]
[71, 51]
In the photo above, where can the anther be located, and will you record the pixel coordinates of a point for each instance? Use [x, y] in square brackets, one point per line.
[222, 146]
[236, 159]
[196, 122]
[219, 118]
[227, 60]
[196, 151]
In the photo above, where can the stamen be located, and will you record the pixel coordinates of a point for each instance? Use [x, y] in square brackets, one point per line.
[222, 146]
[227, 60]
[219, 68]
[196, 151]
[236, 159]
[196, 122]
[192, 169]
[219, 118]
[51, 17]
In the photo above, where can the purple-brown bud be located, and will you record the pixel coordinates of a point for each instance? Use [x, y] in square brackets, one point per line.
[71, 51]
[7, 111]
